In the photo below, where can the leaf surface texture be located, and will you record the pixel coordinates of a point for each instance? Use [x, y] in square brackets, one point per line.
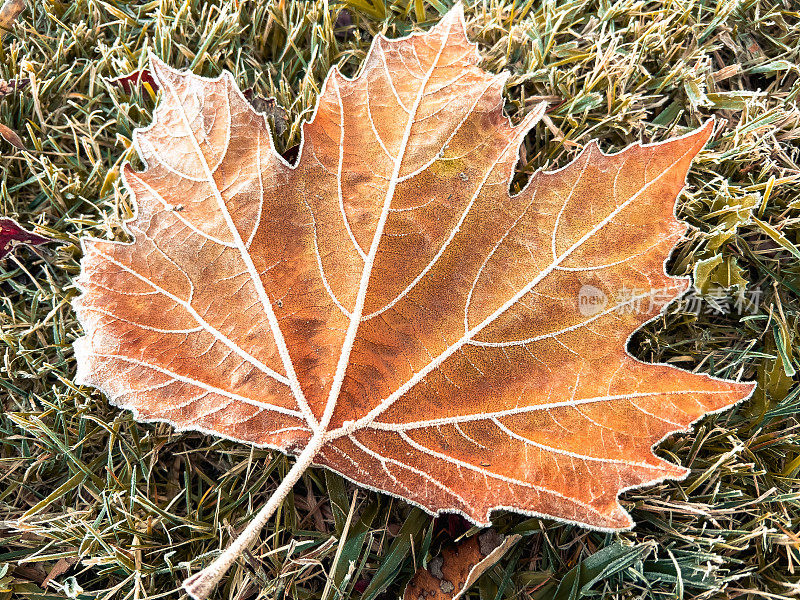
[390, 277]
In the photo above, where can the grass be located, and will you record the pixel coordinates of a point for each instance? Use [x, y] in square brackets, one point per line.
[96, 506]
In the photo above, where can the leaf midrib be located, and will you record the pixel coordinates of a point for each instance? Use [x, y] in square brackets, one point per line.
[358, 309]
[280, 342]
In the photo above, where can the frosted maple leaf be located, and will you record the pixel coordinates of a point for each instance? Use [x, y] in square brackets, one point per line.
[385, 308]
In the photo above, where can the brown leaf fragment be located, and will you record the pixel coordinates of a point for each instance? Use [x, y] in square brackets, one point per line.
[12, 233]
[62, 566]
[9, 87]
[277, 115]
[385, 307]
[343, 27]
[290, 154]
[9, 11]
[11, 137]
[450, 575]
[31, 572]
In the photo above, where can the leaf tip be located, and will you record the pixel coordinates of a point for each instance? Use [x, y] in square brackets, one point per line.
[454, 23]
[160, 70]
[621, 519]
[153, 58]
[454, 16]
[707, 130]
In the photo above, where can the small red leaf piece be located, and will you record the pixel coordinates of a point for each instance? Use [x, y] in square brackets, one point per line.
[385, 307]
[12, 233]
[133, 80]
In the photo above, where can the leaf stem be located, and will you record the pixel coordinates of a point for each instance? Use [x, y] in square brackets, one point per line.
[200, 585]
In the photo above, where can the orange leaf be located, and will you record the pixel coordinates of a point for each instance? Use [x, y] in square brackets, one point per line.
[385, 308]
